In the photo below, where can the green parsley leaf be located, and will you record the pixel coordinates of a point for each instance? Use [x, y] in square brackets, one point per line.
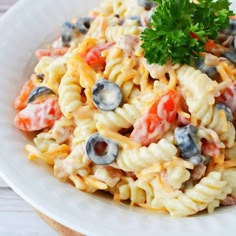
[179, 29]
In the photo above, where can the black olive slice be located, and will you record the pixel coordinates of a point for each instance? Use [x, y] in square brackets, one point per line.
[186, 140]
[231, 56]
[83, 24]
[197, 159]
[39, 92]
[232, 26]
[107, 95]
[101, 151]
[211, 71]
[68, 32]
[233, 44]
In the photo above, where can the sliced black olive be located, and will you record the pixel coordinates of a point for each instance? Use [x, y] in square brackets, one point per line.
[211, 71]
[231, 29]
[147, 4]
[68, 32]
[101, 151]
[186, 140]
[106, 95]
[232, 26]
[83, 24]
[231, 56]
[197, 159]
[39, 92]
[228, 111]
[233, 44]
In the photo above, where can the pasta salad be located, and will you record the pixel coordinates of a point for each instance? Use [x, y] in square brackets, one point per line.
[161, 136]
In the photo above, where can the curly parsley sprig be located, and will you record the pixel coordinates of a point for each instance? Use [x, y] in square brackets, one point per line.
[179, 29]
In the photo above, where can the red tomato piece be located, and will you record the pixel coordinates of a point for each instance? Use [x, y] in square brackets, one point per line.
[228, 97]
[50, 52]
[194, 36]
[210, 149]
[37, 116]
[157, 119]
[93, 56]
[210, 44]
[21, 101]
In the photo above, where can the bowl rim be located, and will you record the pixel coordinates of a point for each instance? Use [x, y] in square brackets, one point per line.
[119, 210]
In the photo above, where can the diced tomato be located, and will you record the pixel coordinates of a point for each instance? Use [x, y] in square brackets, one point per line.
[157, 119]
[37, 116]
[195, 36]
[93, 56]
[209, 45]
[21, 101]
[228, 97]
[51, 52]
[210, 149]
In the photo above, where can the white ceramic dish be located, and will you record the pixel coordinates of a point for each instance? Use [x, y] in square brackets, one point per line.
[23, 29]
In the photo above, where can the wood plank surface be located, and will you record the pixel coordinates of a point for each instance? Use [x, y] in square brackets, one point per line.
[18, 218]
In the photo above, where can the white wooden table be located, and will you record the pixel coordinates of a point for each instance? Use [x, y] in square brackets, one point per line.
[18, 218]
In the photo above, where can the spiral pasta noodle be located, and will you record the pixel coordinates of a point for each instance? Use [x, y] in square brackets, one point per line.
[134, 160]
[122, 117]
[114, 33]
[118, 68]
[161, 137]
[84, 128]
[128, 189]
[196, 198]
[69, 93]
[200, 99]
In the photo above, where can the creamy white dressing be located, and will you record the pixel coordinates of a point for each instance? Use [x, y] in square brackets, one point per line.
[108, 175]
[158, 71]
[129, 43]
[76, 160]
[107, 96]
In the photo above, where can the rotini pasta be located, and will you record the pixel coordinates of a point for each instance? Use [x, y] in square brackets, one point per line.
[122, 117]
[120, 70]
[135, 160]
[84, 128]
[177, 175]
[196, 198]
[160, 136]
[128, 189]
[69, 93]
[114, 33]
[228, 176]
[200, 95]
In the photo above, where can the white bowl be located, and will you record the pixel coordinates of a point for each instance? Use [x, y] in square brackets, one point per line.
[23, 29]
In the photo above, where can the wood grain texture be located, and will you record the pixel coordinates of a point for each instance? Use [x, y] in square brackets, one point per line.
[59, 228]
[18, 218]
